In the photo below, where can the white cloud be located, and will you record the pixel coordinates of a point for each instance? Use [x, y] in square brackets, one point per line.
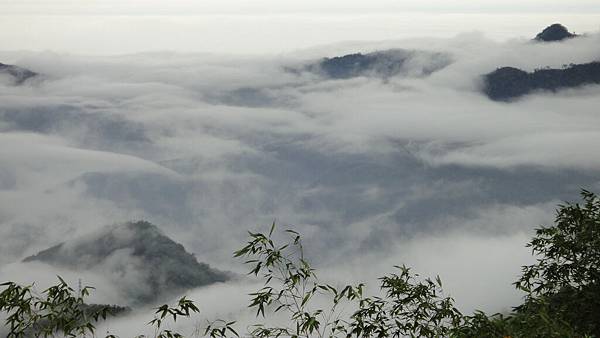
[369, 170]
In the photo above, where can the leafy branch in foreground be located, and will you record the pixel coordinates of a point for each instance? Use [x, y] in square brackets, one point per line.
[59, 310]
[564, 282]
[409, 307]
[184, 308]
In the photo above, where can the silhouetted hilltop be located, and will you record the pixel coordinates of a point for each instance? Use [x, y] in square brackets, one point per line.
[555, 32]
[150, 265]
[112, 310]
[19, 74]
[508, 83]
[381, 64]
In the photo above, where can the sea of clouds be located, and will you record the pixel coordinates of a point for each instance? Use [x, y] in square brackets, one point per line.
[413, 169]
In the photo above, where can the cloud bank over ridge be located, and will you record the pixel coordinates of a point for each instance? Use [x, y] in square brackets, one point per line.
[375, 170]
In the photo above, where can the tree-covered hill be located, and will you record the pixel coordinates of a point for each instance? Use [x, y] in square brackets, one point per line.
[18, 74]
[164, 266]
[509, 83]
[554, 32]
[383, 64]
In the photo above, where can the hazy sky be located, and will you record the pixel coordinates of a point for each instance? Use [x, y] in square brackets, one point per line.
[268, 26]
[186, 7]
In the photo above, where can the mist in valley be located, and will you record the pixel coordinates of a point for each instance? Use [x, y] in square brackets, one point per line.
[409, 164]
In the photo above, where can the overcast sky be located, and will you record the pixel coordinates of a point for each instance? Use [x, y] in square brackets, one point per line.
[268, 26]
[185, 7]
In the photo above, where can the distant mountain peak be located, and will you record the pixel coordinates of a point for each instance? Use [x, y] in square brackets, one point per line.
[508, 83]
[554, 32]
[159, 266]
[19, 74]
[383, 64]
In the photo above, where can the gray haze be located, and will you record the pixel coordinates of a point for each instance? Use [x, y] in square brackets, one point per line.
[269, 26]
[422, 170]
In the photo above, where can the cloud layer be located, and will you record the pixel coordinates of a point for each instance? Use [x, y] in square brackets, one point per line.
[420, 170]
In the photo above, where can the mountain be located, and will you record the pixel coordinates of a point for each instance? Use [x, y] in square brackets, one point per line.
[144, 264]
[555, 32]
[383, 64]
[507, 83]
[18, 74]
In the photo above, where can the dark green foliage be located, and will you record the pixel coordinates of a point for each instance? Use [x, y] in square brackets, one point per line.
[480, 325]
[567, 272]
[183, 309]
[170, 268]
[410, 306]
[508, 83]
[562, 287]
[58, 311]
[536, 323]
[290, 286]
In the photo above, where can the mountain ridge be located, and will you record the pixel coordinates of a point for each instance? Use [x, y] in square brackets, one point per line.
[509, 83]
[139, 251]
[553, 33]
[19, 74]
[382, 63]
